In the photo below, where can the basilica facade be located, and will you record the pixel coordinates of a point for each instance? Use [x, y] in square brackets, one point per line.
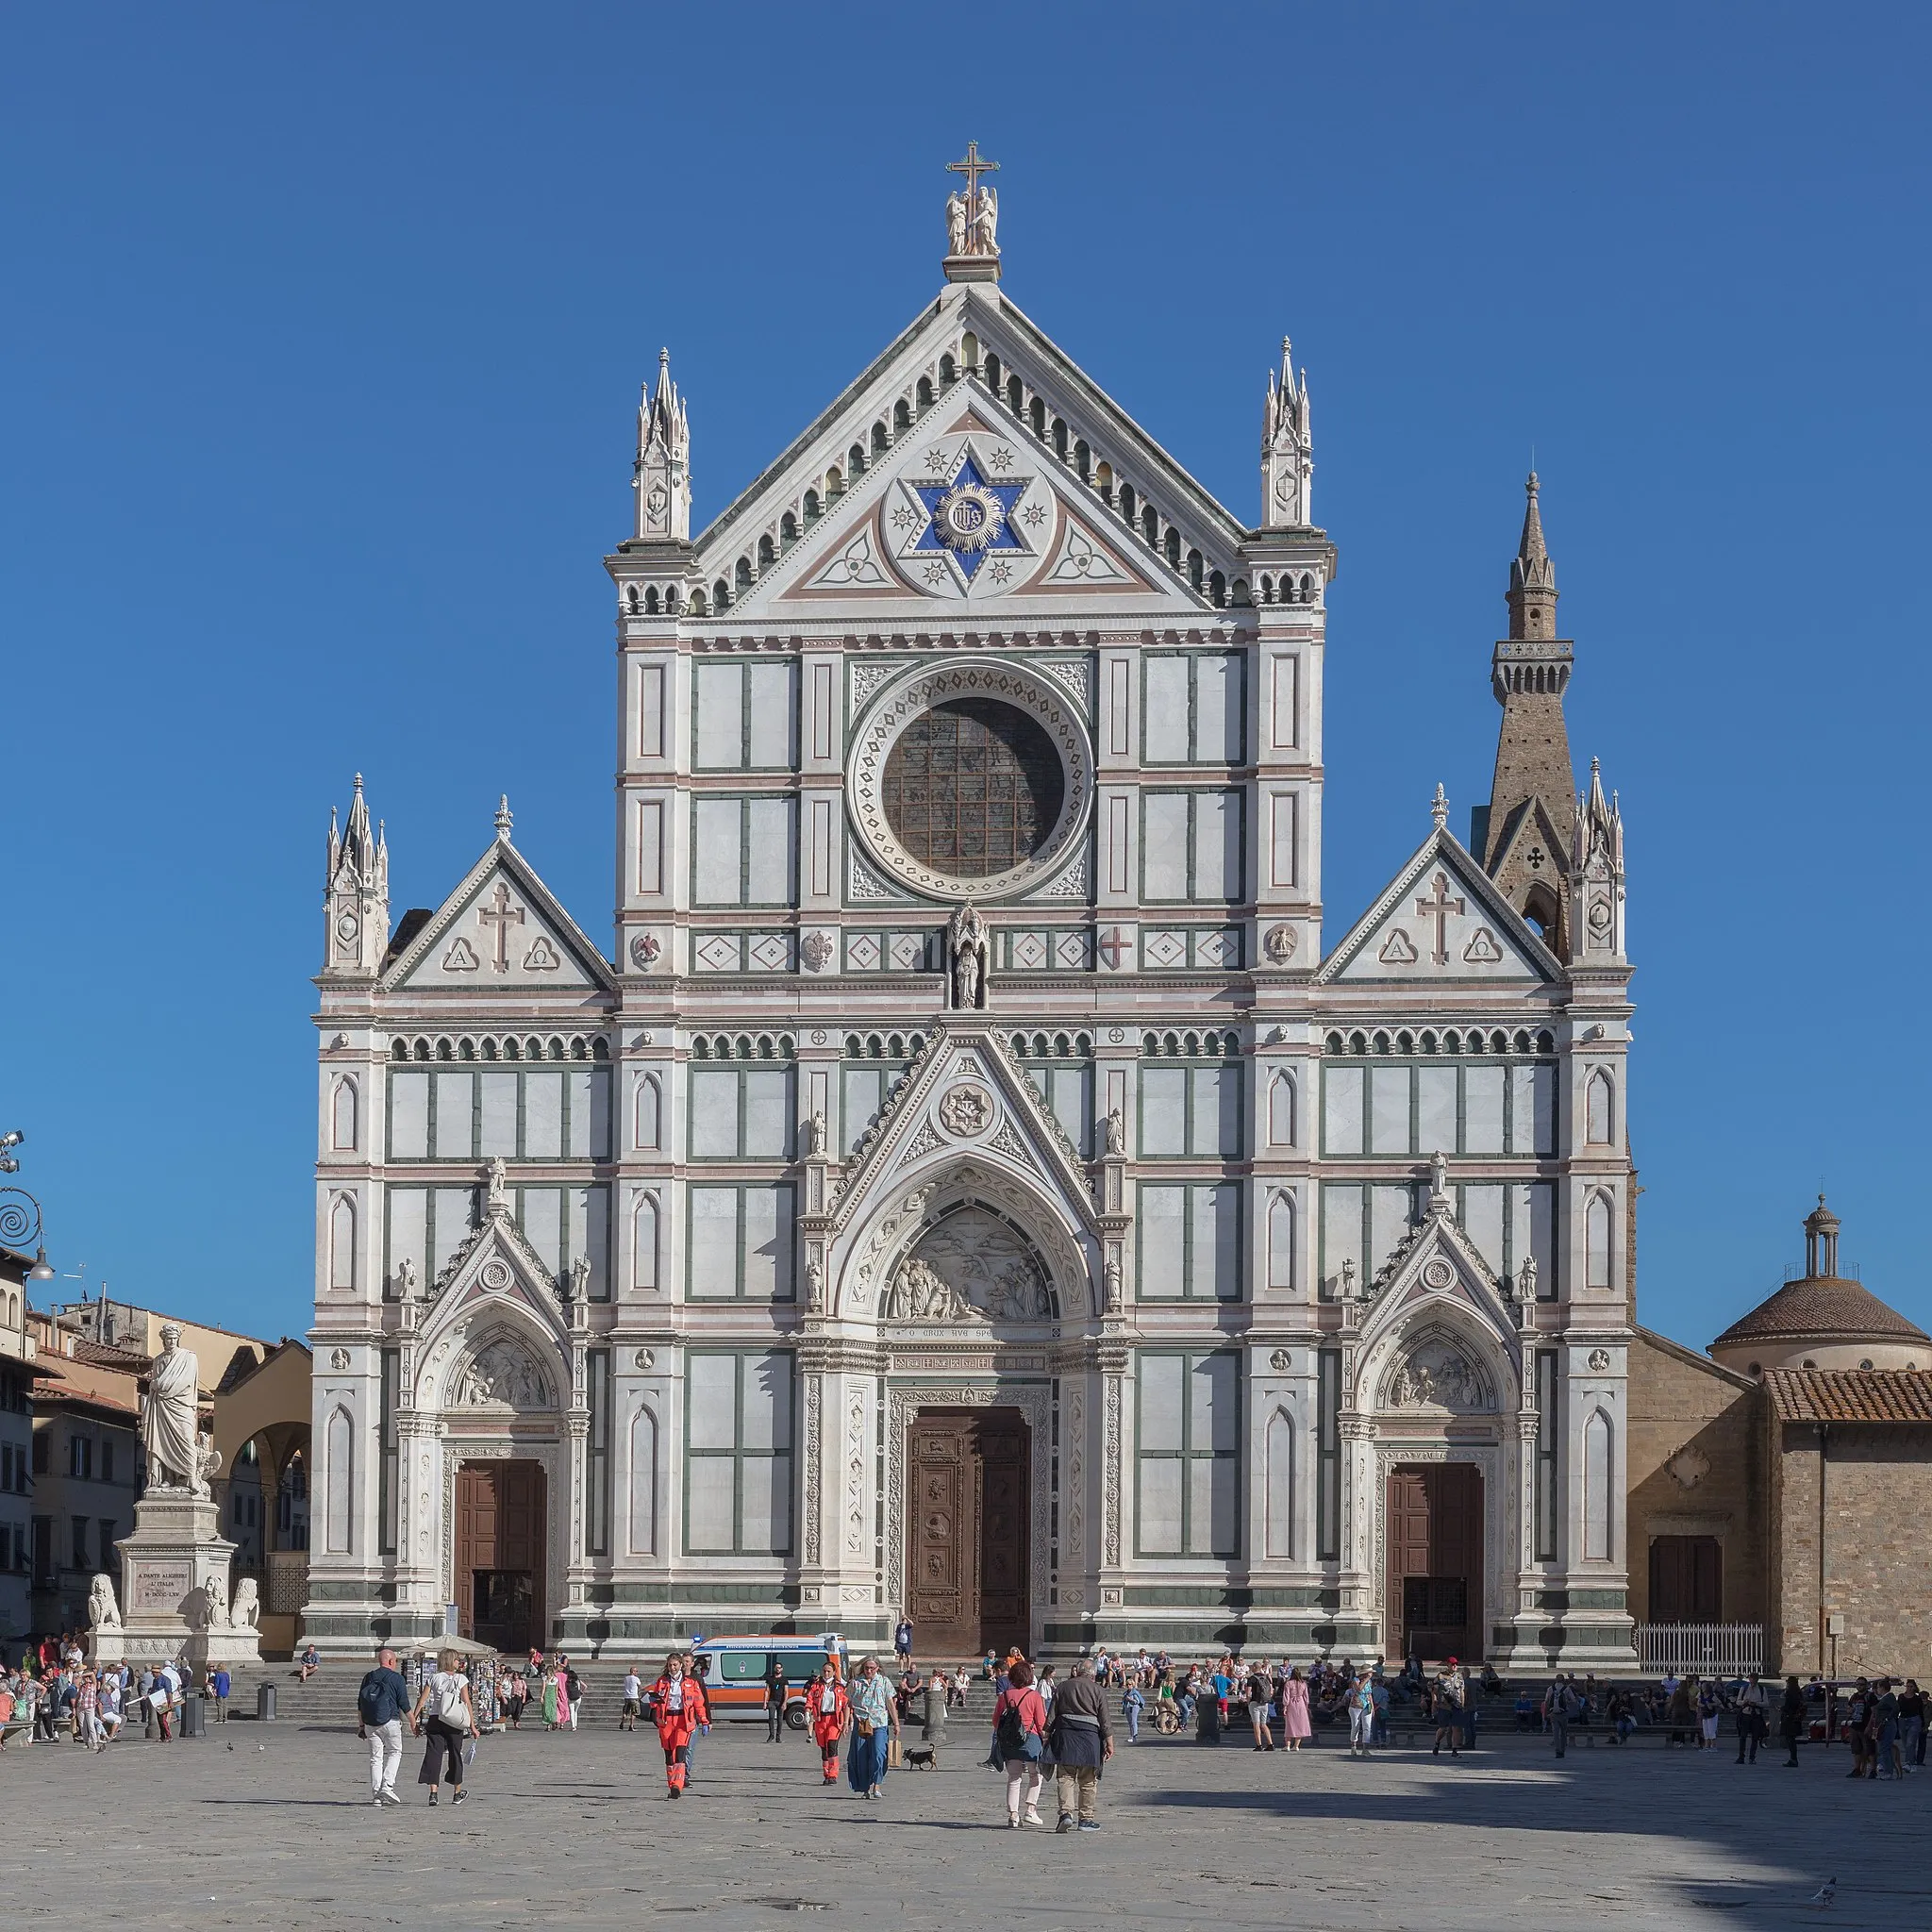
[979, 1181]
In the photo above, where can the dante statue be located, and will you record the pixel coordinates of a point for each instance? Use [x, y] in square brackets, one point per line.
[168, 1414]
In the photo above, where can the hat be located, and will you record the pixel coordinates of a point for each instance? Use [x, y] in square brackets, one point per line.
[1452, 1663]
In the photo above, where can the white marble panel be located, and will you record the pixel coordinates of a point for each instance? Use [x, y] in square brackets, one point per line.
[409, 1116]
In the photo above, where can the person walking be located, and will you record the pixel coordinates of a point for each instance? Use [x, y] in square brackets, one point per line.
[1019, 1730]
[551, 1694]
[774, 1698]
[677, 1703]
[445, 1716]
[574, 1690]
[1296, 1728]
[382, 1701]
[1791, 1720]
[1361, 1714]
[1081, 1744]
[1133, 1702]
[1450, 1690]
[633, 1700]
[1555, 1713]
[875, 1723]
[828, 1708]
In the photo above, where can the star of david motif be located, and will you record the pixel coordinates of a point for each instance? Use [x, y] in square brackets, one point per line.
[969, 518]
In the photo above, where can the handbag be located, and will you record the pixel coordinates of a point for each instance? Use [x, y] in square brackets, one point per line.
[864, 1726]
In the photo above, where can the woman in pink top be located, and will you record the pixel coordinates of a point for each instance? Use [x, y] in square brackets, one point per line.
[1018, 1729]
[1294, 1708]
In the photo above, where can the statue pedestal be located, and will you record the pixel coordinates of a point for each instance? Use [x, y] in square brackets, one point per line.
[167, 1565]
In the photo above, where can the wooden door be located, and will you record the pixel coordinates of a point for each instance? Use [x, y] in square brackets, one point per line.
[967, 1544]
[1686, 1579]
[1434, 1552]
[498, 1585]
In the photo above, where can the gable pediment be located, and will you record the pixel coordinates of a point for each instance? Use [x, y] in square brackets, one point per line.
[1441, 922]
[839, 513]
[501, 927]
[495, 1280]
[1435, 1280]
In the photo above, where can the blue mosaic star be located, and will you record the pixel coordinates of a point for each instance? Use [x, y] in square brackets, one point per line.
[971, 485]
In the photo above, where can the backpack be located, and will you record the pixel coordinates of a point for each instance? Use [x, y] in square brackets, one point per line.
[1015, 1740]
[369, 1697]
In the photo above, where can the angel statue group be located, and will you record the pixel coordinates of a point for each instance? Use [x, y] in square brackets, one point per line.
[972, 222]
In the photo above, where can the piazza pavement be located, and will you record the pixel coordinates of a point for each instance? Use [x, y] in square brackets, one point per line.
[269, 1825]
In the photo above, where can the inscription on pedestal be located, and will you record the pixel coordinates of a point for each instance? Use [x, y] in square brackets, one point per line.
[159, 1586]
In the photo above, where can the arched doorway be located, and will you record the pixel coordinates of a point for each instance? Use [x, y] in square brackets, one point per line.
[498, 1580]
[968, 1558]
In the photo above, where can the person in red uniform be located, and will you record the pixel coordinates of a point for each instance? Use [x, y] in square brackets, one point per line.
[677, 1706]
[828, 1708]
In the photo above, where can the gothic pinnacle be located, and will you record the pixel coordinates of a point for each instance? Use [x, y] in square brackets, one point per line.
[504, 821]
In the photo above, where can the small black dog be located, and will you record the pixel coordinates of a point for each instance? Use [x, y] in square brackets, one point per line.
[922, 1761]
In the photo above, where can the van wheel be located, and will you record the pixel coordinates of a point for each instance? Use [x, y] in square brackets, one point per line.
[794, 1717]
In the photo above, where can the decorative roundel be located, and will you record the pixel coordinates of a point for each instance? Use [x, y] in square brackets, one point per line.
[1438, 1273]
[968, 516]
[966, 1111]
[1599, 1360]
[1599, 916]
[495, 1273]
[347, 928]
[947, 840]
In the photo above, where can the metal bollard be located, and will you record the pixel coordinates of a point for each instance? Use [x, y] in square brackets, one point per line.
[265, 1703]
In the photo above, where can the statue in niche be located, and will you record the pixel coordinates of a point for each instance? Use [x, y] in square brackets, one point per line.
[1111, 1300]
[1116, 1135]
[815, 1285]
[1525, 1280]
[966, 951]
[497, 1198]
[815, 1136]
[580, 1279]
[405, 1279]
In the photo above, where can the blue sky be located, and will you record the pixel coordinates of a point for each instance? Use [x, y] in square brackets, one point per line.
[323, 328]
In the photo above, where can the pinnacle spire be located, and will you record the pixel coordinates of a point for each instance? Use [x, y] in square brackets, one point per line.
[504, 818]
[1287, 465]
[662, 474]
[1532, 595]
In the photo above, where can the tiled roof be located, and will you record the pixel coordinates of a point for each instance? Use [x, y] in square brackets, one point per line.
[1820, 1305]
[1851, 1396]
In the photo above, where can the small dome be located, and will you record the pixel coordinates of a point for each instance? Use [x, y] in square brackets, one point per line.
[1822, 1307]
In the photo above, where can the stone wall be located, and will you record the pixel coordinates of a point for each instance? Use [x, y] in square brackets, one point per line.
[1696, 1468]
[1877, 1497]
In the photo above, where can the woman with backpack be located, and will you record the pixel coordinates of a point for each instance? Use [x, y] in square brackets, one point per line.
[445, 1716]
[1018, 1729]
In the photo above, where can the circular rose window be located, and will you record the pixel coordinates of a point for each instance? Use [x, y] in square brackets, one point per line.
[973, 786]
[973, 781]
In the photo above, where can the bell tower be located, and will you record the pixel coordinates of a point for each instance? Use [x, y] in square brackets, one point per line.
[357, 898]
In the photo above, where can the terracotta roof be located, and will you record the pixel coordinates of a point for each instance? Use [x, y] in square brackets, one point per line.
[1821, 1305]
[1851, 1396]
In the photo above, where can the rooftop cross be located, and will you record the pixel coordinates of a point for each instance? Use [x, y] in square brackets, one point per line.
[973, 168]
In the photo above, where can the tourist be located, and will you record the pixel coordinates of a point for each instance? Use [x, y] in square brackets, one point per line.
[1296, 1728]
[551, 1693]
[310, 1662]
[1556, 1708]
[113, 1690]
[1081, 1744]
[828, 1708]
[1792, 1721]
[382, 1703]
[219, 1687]
[1886, 1755]
[1361, 1714]
[633, 1700]
[1018, 1729]
[1133, 1702]
[875, 1724]
[1261, 1706]
[515, 1694]
[561, 1676]
[1708, 1711]
[87, 1712]
[1752, 1707]
[1682, 1709]
[1448, 1693]
[1911, 1715]
[774, 1698]
[677, 1702]
[932, 1727]
[902, 1641]
[445, 1716]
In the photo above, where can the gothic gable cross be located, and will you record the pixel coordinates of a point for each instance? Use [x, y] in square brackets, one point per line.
[973, 168]
[1439, 908]
[502, 915]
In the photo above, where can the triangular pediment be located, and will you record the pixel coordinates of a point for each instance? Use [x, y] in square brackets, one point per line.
[1437, 1276]
[501, 927]
[495, 1278]
[868, 505]
[964, 1098]
[1441, 922]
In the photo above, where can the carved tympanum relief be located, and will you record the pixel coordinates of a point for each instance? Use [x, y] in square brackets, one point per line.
[970, 1267]
[1437, 1374]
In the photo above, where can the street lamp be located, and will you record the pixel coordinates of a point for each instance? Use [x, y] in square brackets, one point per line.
[19, 1213]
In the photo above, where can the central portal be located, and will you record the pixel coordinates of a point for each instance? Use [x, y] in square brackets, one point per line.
[499, 1553]
[1435, 1601]
[967, 1542]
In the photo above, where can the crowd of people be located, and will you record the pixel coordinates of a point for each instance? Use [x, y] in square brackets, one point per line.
[55, 1694]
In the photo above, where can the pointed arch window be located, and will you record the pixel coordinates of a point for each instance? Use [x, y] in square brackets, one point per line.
[343, 1120]
[342, 1244]
[643, 1484]
[1281, 1240]
[1281, 1110]
[647, 1113]
[1280, 1481]
[1599, 1109]
[1596, 1488]
[643, 1234]
[338, 1445]
[1597, 1242]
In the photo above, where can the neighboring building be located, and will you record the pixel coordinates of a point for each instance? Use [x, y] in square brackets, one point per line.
[16, 1445]
[981, 1184]
[1784, 1486]
[262, 1433]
